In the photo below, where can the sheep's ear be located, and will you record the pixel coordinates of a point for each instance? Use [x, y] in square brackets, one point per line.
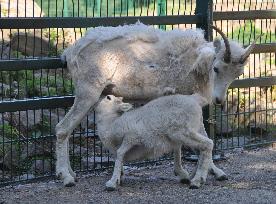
[125, 107]
[217, 45]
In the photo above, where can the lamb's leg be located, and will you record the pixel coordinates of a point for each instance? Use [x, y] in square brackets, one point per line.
[219, 174]
[83, 101]
[116, 177]
[178, 169]
[205, 146]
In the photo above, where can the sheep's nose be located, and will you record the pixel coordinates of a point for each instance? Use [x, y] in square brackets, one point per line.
[218, 101]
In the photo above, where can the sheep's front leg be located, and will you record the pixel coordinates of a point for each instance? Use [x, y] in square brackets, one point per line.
[219, 174]
[116, 177]
[84, 100]
[178, 169]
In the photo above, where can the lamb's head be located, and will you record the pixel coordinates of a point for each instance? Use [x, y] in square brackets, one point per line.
[112, 105]
[228, 64]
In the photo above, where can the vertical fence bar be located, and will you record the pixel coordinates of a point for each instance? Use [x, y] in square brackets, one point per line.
[65, 14]
[161, 11]
[204, 8]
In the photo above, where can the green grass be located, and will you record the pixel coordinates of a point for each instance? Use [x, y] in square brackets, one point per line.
[113, 8]
[246, 33]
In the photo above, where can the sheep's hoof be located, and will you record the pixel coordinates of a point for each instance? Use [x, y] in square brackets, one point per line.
[194, 186]
[69, 182]
[110, 186]
[185, 181]
[222, 178]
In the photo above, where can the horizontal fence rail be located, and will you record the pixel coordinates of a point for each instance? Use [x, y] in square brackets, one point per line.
[254, 82]
[83, 22]
[79, 22]
[31, 64]
[39, 103]
[244, 15]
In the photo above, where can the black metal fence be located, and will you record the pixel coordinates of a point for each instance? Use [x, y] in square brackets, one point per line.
[36, 90]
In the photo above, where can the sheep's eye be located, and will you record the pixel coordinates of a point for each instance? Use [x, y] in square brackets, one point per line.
[216, 69]
[108, 97]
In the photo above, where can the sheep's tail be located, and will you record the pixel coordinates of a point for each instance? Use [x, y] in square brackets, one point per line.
[202, 101]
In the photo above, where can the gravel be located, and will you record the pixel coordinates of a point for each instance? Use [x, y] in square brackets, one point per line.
[252, 179]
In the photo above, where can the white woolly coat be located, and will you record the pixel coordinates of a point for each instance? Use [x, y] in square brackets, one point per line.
[155, 127]
[142, 61]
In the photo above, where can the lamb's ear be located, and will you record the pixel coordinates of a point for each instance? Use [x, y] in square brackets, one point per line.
[217, 44]
[124, 107]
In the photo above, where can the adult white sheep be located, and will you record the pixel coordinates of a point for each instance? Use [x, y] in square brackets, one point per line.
[143, 62]
[161, 126]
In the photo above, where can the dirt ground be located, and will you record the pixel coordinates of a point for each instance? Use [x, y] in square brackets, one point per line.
[252, 179]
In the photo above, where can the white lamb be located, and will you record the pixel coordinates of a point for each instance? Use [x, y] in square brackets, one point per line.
[161, 126]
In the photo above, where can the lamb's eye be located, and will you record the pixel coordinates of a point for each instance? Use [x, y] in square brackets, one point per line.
[216, 69]
[108, 97]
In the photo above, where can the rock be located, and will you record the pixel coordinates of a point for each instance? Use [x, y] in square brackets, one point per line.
[5, 51]
[79, 150]
[226, 124]
[4, 146]
[53, 117]
[37, 149]
[16, 8]
[24, 121]
[12, 158]
[4, 89]
[26, 177]
[3, 121]
[88, 121]
[42, 167]
[30, 45]
[99, 161]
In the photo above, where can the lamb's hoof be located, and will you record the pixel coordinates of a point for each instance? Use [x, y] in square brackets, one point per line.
[59, 175]
[197, 183]
[110, 186]
[222, 178]
[194, 187]
[185, 181]
[69, 182]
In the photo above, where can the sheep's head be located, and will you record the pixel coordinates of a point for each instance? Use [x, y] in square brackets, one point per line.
[111, 104]
[228, 64]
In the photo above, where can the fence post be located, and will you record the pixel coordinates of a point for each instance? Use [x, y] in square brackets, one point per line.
[204, 8]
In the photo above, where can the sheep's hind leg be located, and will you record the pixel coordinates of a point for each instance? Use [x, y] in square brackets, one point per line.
[116, 177]
[178, 169]
[73, 174]
[83, 102]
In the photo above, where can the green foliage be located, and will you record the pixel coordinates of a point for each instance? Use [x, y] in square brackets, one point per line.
[54, 37]
[9, 131]
[246, 33]
[17, 54]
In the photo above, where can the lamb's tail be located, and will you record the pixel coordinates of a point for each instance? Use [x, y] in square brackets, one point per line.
[202, 101]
